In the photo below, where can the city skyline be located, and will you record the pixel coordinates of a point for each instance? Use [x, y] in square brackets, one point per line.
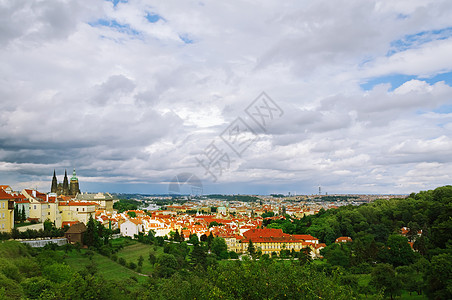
[353, 96]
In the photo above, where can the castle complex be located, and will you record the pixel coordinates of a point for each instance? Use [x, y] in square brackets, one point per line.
[66, 188]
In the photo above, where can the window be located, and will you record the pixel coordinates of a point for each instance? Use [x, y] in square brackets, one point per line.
[48, 213]
[34, 207]
[3, 205]
[77, 209]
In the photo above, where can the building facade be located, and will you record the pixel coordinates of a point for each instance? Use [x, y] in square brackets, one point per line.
[6, 211]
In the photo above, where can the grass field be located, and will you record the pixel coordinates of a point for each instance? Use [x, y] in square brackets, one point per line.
[105, 266]
[133, 250]
[414, 296]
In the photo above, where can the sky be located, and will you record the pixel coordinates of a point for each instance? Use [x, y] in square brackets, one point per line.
[236, 97]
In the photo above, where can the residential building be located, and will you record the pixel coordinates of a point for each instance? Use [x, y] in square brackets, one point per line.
[131, 227]
[270, 240]
[75, 233]
[81, 211]
[105, 200]
[39, 207]
[6, 211]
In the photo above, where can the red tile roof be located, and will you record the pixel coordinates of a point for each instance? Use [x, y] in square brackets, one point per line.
[343, 239]
[5, 196]
[76, 203]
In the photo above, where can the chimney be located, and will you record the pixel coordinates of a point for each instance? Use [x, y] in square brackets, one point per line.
[34, 193]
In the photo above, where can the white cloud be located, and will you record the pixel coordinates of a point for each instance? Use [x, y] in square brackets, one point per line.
[131, 102]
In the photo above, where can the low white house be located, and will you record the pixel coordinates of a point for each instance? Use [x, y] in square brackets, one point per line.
[131, 227]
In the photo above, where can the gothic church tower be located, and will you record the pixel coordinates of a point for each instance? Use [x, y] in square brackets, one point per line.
[54, 188]
[74, 188]
[65, 184]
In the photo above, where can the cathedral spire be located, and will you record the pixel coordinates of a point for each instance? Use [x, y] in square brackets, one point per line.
[54, 187]
[65, 184]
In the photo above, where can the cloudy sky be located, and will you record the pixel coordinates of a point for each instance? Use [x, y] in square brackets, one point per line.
[358, 95]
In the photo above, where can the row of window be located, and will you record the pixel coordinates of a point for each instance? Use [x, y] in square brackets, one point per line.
[278, 246]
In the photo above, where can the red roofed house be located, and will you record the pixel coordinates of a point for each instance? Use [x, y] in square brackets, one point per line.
[7, 189]
[270, 240]
[6, 211]
[22, 204]
[343, 239]
[39, 207]
[131, 227]
[75, 233]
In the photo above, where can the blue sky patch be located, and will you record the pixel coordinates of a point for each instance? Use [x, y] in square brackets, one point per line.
[115, 2]
[415, 40]
[186, 39]
[446, 77]
[397, 80]
[444, 109]
[124, 28]
[153, 18]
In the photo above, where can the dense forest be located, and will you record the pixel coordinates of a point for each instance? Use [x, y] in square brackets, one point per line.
[379, 262]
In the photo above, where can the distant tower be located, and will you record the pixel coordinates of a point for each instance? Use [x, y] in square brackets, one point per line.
[320, 190]
[54, 188]
[65, 184]
[74, 188]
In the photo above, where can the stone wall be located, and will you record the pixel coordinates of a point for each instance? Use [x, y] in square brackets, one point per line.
[41, 243]
[32, 227]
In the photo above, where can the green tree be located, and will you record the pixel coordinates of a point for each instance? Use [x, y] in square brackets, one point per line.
[152, 258]
[48, 225]
[439, 277]
[409, 279]
[215, 223]
[304, 256]
[176, 236]
[198, 257]
[219, 247]
[193, 239]
[91, 237]
[23, 215]
[337, 254]
[209, 239]
[251, 248]
[383, 278]
[34, 286]
[126, 204]
[122, 261]
[166, 265]
[397, 251]
[268, 214]
[140, 261]
[16, 214]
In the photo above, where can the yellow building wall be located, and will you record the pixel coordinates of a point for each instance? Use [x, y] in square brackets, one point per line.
[6, 217]
[75, 213]
[55, 215]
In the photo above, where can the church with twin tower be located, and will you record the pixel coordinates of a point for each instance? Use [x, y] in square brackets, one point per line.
[66, 188]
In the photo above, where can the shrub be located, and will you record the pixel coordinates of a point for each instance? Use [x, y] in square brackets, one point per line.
[122, 261]
[132, 265]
